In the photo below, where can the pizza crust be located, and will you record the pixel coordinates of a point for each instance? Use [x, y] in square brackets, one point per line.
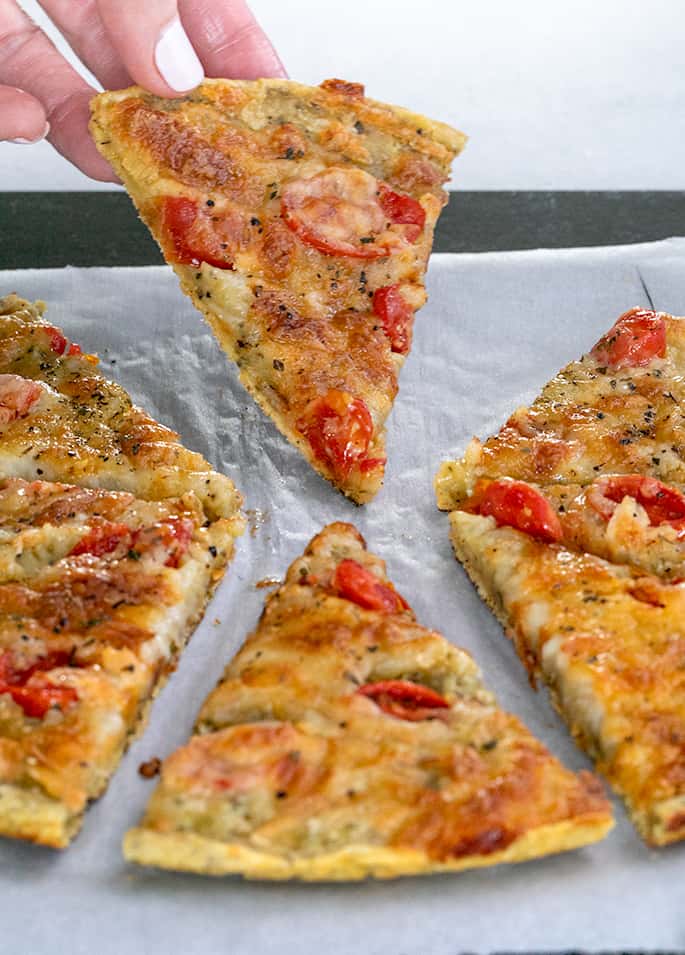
[188, 852]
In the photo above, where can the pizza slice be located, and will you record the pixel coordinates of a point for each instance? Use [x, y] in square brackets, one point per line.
[571, 523]
[99, 592]
[609, 641]
[113, 537]
[617, 410]
[62, 420]
[346, 740]
[299, 220]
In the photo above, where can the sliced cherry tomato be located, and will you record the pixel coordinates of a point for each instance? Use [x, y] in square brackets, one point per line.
[102, 539]
[172, 537]
[663, 503]
[17, 397]
[194, 235]
[404, 699]
[339, 428]
[354, 582]
[348, 212]
[396, 315]
[29, 688]
[519, 505]
[59, 344]
[402, 210]
[636, 338]
[371, 464]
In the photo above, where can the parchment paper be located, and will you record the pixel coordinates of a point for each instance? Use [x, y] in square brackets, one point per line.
[496, 327]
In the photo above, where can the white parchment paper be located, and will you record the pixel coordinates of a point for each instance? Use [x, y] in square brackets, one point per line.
[496, 327]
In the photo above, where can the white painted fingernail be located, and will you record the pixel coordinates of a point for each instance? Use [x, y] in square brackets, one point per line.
[176, 59]
[31, 142]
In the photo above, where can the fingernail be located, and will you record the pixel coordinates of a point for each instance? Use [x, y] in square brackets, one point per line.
[30, 142]
[176, 59]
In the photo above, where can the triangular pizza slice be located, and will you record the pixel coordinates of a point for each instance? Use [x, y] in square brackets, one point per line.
[62, 420]
[616, 410]
[345, 740]
[299, 220]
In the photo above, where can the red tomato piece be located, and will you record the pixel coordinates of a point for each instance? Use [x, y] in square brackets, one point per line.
[517, 504]
[17, 397]
[102, 539]
[194, 236]
[172, 537]
[664, 504]
[179, 533]
[370, 464]
[404, 699]
[636, 338]
[354, 582]
[348, 212]
[29, 687]
[402, 210]
[339, 428]
[58, 342]
[396, 315]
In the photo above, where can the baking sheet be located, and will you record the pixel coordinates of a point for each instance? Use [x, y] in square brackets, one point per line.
[496, 327]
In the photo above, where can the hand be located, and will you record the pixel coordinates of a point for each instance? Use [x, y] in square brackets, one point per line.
[165, 46]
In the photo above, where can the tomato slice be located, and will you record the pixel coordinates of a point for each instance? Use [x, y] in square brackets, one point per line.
[194, 235]
[635, 339]
[339, 428]
[396, 315]
[171, 537]
[17, 397]
[517, 504]
[102, 539]
[356, 583]
[663, 503]
[29, 688]
[59, 344]
[402, 210]
[348, 212]
[404, 699]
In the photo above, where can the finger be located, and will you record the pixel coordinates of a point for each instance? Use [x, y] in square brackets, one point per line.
[81, 24]
[228, 39]
[22, 118]
[28, 59]
[153, 45]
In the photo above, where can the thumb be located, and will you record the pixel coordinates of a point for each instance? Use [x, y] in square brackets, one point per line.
[153, 44]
